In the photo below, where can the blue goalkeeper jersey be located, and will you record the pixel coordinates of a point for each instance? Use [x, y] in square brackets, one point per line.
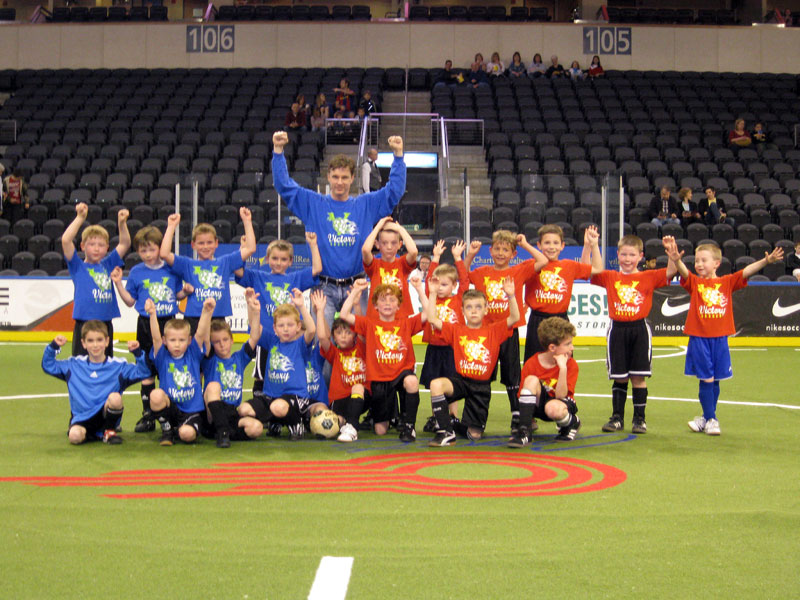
[180, 377]
[88, 383]
[229, 373]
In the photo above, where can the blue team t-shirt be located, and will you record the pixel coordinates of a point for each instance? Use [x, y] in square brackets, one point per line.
[180, 377]
[274, 289]
[286, 365]
[94, 292]
[317, 390]
[229, 373]
[159, 284]
[211, 279]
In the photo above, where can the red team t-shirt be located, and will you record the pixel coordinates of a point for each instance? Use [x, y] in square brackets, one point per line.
[348, 368]
[549, 377]
[449, 310]
[394, 273]
[630, 296]
[489, 280]
[550, 290]
[711, 304]
[390, 350]
[476, 350]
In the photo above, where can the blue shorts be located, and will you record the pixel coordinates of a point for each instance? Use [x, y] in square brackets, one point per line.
[708, 358]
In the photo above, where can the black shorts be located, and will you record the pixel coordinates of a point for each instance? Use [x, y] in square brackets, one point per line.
[196, 420]
[629, 349]
[439, 362]
[476, 395]
[94, 425]
[261, 404]
[77, 347]
[532, 344]
[508, 361]
[232, 418]
[260, 366]
[544, 399]
[383, 404]
[145, 338]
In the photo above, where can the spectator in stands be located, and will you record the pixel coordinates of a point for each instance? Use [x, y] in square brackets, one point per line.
[321, 103]
[793, 262]
[516, 69]
[317, 120]
[295, 118]
[477, 76]
[479, 60]
[344, 96]
[423, 262]
[713, 209]
[575, 71]
[555, 70]
[15, 202]
[537, 68]
[596, 69]
[448, 76]
[739, 137]
[370, 174]
[663, 209]
[759, 134]
[495, 67]
[305, 107]
[688, 208]
[367, 104]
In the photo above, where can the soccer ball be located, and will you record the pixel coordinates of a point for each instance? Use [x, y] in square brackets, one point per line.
[324, 424]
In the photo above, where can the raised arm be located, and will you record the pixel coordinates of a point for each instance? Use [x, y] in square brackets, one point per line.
[513, 308]
[125, 296]
[591, 239]
[318, 302]
[253, 316]
[346, 313]
[430, 309]
[300, 304]
[416, 283]
[248, 248]
[68, 237]
[316, 259]
[540, 260]
[369, 243]
[165, 252]
[155, 330]
[124, 243]
[396, 144]
[203, 334]
[671, 248]
[408, 242]
[474, 248]
[775, 256]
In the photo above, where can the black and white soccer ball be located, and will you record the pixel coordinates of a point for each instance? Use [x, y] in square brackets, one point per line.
[324, 423]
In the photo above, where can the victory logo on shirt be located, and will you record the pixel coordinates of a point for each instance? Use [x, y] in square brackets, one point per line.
[344, 230]
[103, 283]
[393, 348]
[229, 378]
[279, 366]
[390, 277]
[278, 295]
[552, 288]
[312, 378]
[183, 379]
[353, 368]
[630, 298]
[159, 290]
[497, 299]
[208, 279]
[445, 313]
[714, 302]
[477, 356]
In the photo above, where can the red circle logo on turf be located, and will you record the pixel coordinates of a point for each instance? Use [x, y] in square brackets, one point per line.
[394, 473]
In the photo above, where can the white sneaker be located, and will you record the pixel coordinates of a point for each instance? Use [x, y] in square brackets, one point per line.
[348, 433]
[712, 427]
[698, 425]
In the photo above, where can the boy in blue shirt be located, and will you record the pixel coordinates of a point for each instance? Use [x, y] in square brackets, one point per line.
[208, 275]
[341, 223]
[95, 383]
[178, 401]
[153, 279]
[94, 294]
[285, 399]
[223, 374]
[274, 287]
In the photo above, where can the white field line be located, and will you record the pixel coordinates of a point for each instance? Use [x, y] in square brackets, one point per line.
[332, 579]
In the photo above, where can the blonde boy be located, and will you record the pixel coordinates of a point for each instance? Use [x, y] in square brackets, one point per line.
[388, 236]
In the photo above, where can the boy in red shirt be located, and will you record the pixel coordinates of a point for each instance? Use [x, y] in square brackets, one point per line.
[439, 361]
[548, 384]
[476, 347]
[709, 322]
[629, 347]
[390, 354]
[489, 280]
[347, 357]
[389, 237]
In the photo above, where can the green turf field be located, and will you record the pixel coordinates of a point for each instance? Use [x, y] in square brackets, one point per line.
[675, 514]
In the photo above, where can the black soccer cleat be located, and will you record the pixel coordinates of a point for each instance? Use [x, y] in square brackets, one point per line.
[443, 438]
[110, 437]
[638, 425]
[614, 424]
[430, 425]
[146, 424]
[407, 433]
[167, 436]
[223, 439]
[568, 433]
[520, 439]
[274, 429]
[296, 432]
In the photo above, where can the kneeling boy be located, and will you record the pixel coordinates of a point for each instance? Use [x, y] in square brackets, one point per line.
[475, 347]
[95, 383]
[547, 387]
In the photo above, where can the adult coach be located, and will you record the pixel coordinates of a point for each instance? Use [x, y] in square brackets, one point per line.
[341, 222]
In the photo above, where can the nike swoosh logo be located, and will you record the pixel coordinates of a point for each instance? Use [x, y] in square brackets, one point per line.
[782, 311]
[670, 311]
